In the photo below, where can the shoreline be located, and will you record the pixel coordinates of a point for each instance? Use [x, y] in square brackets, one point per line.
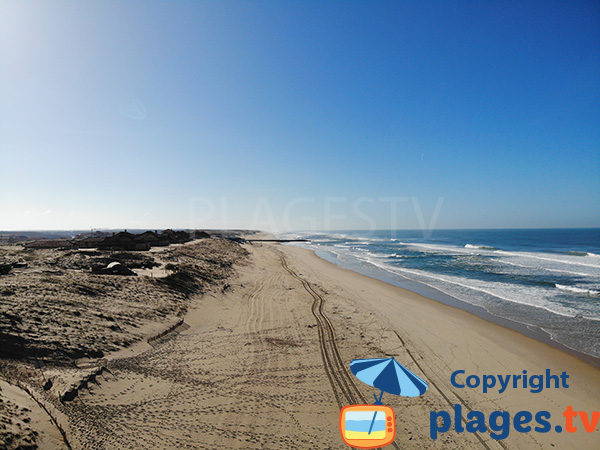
[263, 362]
[431, 293]
[440, 339]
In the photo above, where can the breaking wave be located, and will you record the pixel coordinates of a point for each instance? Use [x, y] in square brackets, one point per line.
[576, 290]
[480, 247]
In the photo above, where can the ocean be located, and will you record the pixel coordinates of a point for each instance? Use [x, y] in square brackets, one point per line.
[530, 279]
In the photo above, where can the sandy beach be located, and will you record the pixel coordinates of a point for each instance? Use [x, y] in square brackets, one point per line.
[262, 362]
[280, 225]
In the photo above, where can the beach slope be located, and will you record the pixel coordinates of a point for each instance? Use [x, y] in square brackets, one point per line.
[264, 363]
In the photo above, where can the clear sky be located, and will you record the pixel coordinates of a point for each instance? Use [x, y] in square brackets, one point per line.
[299, 114]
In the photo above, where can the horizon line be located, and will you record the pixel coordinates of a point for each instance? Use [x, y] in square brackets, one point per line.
[291, 231]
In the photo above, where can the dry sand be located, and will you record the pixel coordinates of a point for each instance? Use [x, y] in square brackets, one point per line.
[23, 423]
[56, 313]
[263, 363]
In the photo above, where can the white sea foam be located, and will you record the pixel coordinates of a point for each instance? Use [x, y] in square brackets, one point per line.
[480, 247]
[584, 254]
[546, 269]
[394, 255]
[576, 290]
[427, 246]
[555, 283]
[450, 249]
[545, 262]
[436, 248]
[332, 235]
[562, 260]
[363, 239]
[469, 248]
[465, 288]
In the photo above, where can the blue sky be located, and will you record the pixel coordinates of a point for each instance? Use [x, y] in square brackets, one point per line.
[299, 115]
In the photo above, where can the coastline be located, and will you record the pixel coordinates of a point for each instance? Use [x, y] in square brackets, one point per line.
[431, 293]
[444, 338]
[263, 362]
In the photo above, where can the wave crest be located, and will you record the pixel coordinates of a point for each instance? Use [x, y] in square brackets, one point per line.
[589, 254]
[480, 247]
[576, 290]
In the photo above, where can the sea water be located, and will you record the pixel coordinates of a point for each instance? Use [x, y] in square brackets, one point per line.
[545, 279]
[365, 425]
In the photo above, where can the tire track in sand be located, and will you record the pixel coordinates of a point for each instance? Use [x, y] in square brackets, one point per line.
[259, 310]
[342, 384]
[338, 375]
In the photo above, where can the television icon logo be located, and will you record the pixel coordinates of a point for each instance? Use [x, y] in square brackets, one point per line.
[367, 426]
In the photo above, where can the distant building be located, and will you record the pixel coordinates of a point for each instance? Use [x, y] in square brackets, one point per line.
[131, 242]
[176, 237]
[154, 239]
[124, 241]
[90, 242]
[50, 243]
[92, 234]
